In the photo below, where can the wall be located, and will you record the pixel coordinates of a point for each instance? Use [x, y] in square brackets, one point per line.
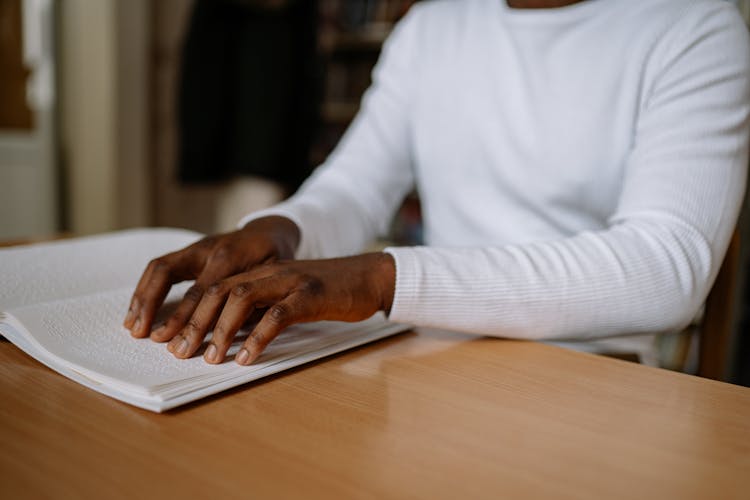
[28, 181]
[175, 205]
[103, 49]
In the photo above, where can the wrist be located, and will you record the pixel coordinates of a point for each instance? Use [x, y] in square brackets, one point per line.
[385, 276]
[283, 232]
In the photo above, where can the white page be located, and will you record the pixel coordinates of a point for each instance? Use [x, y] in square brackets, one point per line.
[86, 333]
[357, 334]
[64, 269]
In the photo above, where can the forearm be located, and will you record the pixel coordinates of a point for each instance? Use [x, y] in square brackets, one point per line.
[635, 277]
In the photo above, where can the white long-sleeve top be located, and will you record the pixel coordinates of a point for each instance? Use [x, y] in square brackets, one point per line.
[580, 168]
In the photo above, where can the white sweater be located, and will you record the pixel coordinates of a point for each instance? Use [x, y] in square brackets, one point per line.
[580, 169]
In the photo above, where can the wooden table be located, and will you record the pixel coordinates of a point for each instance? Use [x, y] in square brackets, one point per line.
[426, 414]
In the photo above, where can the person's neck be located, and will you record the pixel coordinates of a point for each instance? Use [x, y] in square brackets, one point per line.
[540, 4]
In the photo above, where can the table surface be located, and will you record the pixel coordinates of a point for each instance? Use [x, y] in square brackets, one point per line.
[425, 414]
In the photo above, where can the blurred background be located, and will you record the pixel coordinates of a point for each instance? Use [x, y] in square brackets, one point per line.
[174, 112]
[192, 113]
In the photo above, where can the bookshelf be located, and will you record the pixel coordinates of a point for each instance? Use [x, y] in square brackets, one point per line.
[350, 36]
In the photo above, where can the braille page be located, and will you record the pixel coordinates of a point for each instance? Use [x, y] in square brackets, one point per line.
[64, 269]
[64, 302]
[85, 335]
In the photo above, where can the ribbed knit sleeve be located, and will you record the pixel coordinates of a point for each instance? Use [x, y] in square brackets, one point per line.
[652, 266]
[352, 197]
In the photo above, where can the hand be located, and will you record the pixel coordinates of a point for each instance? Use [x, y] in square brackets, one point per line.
[207, 261]
[345, 289]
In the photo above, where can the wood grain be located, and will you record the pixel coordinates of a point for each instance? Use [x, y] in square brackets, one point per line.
[426, 414]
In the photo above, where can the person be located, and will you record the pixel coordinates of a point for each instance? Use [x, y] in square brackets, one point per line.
[581, 165]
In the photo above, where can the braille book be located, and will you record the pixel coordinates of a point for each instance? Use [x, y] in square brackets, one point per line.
[63, 304]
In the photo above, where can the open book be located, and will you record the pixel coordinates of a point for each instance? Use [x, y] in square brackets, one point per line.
[63, 303]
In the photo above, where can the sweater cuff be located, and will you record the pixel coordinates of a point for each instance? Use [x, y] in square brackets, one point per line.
[409, 276]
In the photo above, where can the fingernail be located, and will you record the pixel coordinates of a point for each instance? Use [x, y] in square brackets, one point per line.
[243, 357]
[173, 344]
[182, 347]
[137, 325]
[129, 317]
[211, 353]
[158, 332]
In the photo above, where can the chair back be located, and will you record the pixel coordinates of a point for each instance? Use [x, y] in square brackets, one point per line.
[716, 327]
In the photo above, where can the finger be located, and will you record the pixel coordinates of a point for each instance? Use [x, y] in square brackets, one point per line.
[239, 306]
[280, 315]
[149, 295]
[215, 271]
[245, 297]
[181, 315]
[190, 339]
[155, 282]
[135, 301]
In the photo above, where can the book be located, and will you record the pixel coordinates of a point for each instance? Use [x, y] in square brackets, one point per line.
[63, 304]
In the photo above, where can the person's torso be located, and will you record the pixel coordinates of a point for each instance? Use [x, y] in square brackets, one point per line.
[524, 119]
